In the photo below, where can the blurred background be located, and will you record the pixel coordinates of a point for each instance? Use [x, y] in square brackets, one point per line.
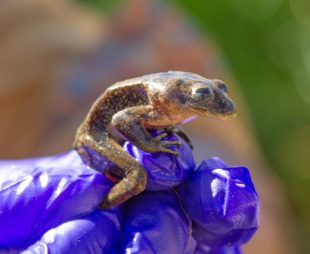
[57, 56]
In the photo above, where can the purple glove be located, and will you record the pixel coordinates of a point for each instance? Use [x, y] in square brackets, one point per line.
[221, 201]
[98, 232]
[164, 170]
[56, 204]
[223, 205]
[155, 222]
[50, 203]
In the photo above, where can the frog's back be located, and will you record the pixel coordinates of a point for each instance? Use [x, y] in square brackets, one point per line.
[160, 78]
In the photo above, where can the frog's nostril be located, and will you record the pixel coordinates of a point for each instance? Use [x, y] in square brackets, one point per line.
[222, 105]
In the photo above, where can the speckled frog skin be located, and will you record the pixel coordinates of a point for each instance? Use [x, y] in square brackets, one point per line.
[127, 109]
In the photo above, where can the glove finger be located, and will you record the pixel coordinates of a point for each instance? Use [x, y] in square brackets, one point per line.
[156, 223]
[223, 203]
[35, 199]
[164, 170]
[95, 233]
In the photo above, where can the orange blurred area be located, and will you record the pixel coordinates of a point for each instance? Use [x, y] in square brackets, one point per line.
[57, 57]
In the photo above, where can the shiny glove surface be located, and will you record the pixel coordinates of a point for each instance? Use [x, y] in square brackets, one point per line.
[48, 205]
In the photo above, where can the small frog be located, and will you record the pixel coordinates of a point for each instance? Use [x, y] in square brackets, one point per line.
[127, 109]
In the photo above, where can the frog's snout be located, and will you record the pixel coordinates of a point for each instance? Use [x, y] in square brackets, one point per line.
[227, 109]
[222, 106]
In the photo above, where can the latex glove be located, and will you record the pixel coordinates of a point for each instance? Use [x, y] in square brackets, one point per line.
[98, 232]
[165, 171]
[59, 195]
[220, 201]
[155, 222]
[51, 202]
[223, 204]
[37, 196]
[217, 203]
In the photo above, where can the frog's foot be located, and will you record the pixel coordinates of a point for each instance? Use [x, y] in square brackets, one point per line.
[182, 133]
[162, 144]
[129, 186]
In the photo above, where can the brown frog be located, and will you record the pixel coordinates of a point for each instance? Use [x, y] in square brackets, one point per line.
[127, 109]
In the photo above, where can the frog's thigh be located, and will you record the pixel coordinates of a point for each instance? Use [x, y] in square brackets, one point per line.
[111, 150]
[135, 178]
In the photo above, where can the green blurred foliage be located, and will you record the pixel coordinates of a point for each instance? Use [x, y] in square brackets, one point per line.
[266, 44]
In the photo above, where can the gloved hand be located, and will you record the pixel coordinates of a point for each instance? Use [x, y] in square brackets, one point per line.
[48, 205]
[55, 199]
[223, 204]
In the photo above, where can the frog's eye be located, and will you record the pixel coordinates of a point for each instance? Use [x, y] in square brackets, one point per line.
[223, 87]
[203, 90]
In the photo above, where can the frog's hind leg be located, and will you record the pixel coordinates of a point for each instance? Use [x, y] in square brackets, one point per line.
[135, 178]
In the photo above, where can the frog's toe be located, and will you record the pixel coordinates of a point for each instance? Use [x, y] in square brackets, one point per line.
[171, 142]
[168, 150]
[160, 136]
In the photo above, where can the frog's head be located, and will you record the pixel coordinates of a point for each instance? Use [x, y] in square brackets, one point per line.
[211, 99]
[200, 96]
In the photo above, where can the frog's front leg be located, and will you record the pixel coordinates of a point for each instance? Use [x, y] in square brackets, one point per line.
[131, 122]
